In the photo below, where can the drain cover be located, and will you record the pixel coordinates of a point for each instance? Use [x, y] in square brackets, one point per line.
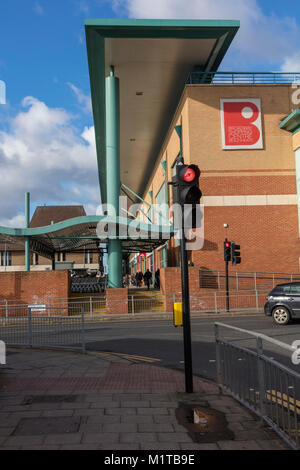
[41, 426]
[32, 399]
[203, 424]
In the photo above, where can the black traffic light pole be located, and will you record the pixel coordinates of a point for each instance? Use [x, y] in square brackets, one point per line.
[231, 253]
[227, 276]
[185, 191]
[227, 286]
[188, 366]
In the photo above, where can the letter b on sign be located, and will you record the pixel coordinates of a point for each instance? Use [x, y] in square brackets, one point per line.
[241, 124]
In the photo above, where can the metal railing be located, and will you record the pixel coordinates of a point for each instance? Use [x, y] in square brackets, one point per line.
[243, 280]
[264, 385]
[95, 307]
[243, 78]
[31, 327]
[216, 302]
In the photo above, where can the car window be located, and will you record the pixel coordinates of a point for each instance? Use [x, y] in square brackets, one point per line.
[295, 289]
[287, 289]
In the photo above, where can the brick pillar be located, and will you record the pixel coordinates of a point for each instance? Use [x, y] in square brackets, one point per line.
[117, 301]
[170, 285]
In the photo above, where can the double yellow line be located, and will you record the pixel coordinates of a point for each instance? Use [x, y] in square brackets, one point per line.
[132, 357]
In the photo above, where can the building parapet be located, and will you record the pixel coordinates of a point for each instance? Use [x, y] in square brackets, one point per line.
[243, 78]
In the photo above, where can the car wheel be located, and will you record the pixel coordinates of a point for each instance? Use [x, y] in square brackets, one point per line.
[281, 315]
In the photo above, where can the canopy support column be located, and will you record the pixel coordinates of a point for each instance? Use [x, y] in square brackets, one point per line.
[112, 106]
[27, 224]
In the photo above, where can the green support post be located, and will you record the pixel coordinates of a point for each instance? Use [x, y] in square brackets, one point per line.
[165, 255]
[27, 224]
[152, 218]
[112, 108]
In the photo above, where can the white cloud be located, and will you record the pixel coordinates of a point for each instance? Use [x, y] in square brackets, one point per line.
[262, 38]
[38, 9]
[44, 153]
[84, 100]
[18, 221]
[291, 63]
[83, 7]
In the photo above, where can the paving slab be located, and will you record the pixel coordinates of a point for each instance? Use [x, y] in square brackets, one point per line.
[51, 400]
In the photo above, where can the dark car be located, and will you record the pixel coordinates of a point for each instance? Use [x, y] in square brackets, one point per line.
[283, 303]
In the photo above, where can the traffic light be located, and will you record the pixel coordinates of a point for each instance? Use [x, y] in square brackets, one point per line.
[186, 187]
[235, 254]
[186, 192]
[227, 251]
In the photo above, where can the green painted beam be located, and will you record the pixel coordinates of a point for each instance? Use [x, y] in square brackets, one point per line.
[162, 23]
[83, 220]
[291, 122]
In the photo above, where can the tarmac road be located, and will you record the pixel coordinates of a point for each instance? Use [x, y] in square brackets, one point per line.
[159, 341]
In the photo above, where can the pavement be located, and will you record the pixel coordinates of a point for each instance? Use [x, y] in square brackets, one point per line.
[62, 400]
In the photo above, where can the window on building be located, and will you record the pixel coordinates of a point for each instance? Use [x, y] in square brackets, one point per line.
[88, 257]
[61, 256]
[6, 258]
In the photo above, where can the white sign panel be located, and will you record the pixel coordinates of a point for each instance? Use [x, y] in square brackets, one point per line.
[241, 123]
[37, 308]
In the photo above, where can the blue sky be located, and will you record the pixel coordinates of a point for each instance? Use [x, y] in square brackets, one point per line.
[46, 127]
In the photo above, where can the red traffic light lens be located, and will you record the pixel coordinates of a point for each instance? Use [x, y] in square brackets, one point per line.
[189, 175]
[227, 245]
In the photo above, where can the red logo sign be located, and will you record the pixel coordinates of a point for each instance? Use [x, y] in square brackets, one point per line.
[241, 124]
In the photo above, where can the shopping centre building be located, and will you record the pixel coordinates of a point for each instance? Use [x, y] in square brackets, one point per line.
[158, 96]
[242, 132]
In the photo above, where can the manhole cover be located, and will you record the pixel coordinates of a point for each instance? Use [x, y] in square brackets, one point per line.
[40, 426]
[203, 424]
[36, 399]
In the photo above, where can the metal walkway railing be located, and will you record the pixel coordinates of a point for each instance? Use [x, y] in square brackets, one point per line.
[264, 385]
[35, 327]
[243, 78]
[243, 280]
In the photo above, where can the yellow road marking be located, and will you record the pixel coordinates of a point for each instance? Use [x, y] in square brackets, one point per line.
[131, 356]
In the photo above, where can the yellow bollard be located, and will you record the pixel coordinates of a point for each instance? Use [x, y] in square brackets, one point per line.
[177, 314]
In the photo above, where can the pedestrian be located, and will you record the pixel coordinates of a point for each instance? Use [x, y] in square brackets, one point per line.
[137, 279]
[141, 276]
[147, 278]
[157, 279]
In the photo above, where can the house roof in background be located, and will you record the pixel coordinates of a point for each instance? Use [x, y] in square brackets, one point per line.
[45, 215]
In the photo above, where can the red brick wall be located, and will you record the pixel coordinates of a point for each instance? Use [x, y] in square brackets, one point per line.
[117, 301]
[212, 185]
[268, 237]
[34, 287]
[213, 300]
[170, 285]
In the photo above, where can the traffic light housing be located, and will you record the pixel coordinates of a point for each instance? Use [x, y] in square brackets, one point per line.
[227, 251]
[186, 185]
[235, 254]
[187, 194]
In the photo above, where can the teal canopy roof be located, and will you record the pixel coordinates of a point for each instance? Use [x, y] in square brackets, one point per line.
[152, 59]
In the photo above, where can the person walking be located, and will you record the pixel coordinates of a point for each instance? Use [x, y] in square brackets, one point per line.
[157, 279]
[141, 276]
[147, 278]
